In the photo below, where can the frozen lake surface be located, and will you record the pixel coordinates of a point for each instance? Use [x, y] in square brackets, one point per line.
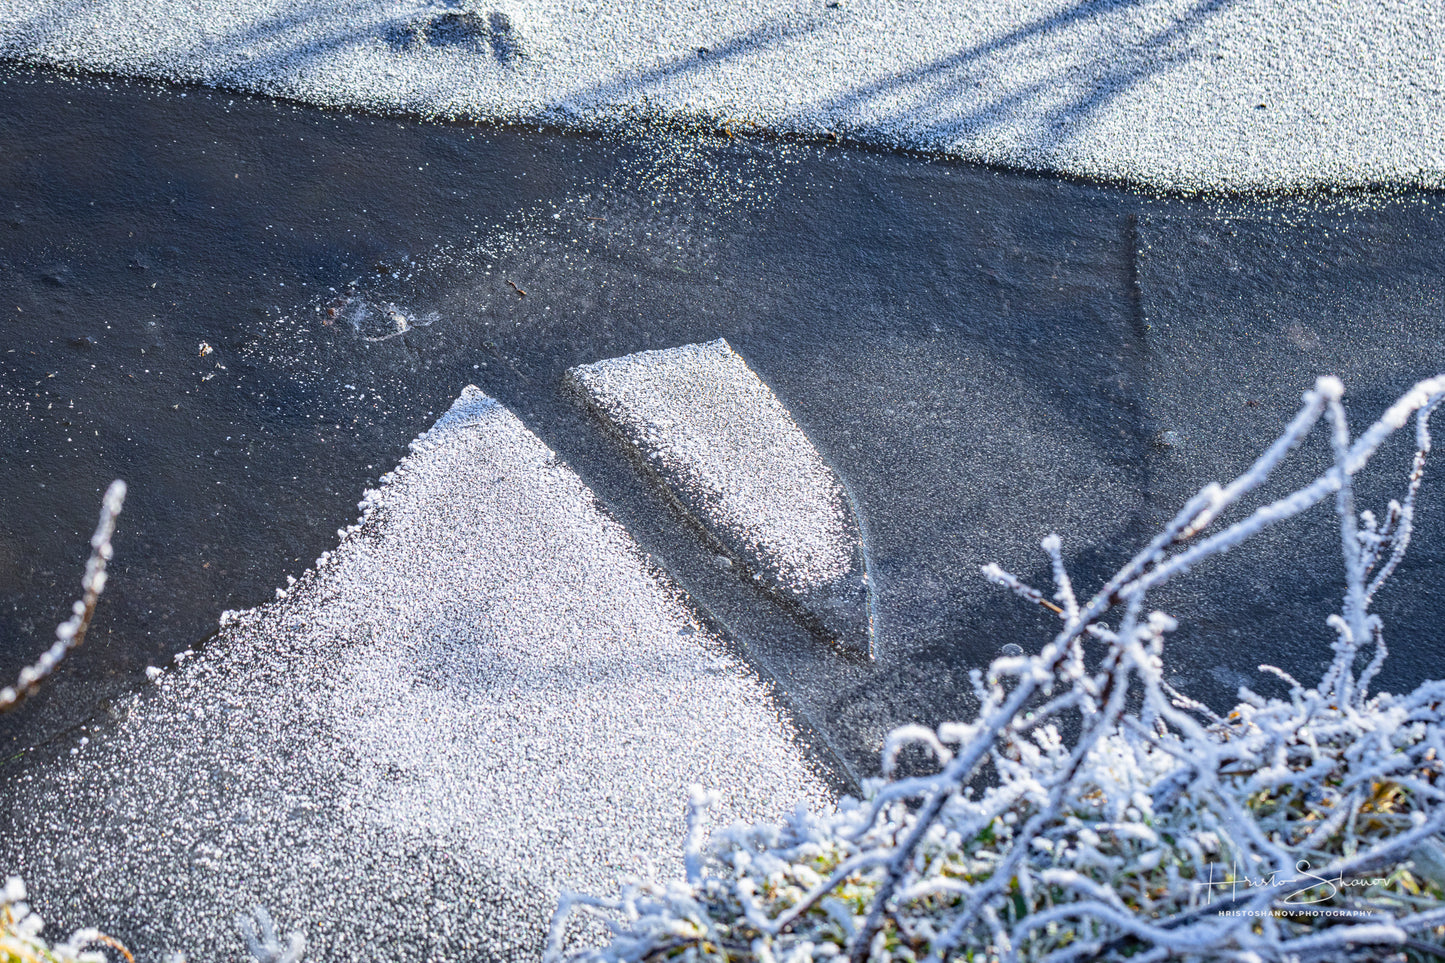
[982, 357]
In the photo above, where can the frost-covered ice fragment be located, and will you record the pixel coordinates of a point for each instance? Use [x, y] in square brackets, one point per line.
[723, 445]
[490, 694]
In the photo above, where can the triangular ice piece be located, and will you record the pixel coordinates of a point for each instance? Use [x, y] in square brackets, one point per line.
[483, 697]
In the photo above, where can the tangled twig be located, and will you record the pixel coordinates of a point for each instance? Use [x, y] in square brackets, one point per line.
[1300, 828]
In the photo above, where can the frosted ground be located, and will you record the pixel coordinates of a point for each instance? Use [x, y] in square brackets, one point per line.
[1179, 93]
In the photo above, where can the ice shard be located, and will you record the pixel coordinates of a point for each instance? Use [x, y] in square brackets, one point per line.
[719, 441]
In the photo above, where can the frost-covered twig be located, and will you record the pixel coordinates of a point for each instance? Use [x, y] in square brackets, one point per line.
[21, 942]
[71, 632]
[1156, 828]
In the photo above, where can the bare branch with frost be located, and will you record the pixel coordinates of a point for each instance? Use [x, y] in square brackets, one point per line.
[21, 942]
[71, 632]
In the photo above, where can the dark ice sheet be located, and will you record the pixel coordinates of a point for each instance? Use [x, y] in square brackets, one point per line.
[984, 356]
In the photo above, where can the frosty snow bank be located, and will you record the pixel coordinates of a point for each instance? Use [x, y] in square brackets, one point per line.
[1090, 811]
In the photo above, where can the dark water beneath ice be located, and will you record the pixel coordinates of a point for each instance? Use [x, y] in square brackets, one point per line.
[984, 356]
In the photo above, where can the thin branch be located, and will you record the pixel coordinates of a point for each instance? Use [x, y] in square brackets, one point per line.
[71, 633]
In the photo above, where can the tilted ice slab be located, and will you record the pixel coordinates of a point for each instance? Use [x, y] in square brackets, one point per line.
[725, 447]
[482, 697]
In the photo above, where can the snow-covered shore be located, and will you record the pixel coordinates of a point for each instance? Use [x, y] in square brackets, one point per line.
[1193, 94]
